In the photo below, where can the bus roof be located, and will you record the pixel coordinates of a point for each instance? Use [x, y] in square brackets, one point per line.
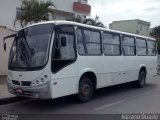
[89, 26]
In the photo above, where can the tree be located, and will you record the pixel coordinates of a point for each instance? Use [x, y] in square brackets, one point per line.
[88, 21]
[94, 22]
[33, 11]
[155, 32]
[75, 19]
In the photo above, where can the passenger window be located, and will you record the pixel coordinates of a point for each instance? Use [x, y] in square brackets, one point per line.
[89, 42]
[141, 47]
[151, 45]
[111, 44]
[128, 46]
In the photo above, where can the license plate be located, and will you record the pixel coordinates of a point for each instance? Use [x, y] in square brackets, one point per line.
[18, 90]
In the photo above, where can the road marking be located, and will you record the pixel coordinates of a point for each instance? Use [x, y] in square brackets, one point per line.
[109, 105]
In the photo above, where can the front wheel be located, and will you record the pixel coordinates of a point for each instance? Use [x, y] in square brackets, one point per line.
[85, 90]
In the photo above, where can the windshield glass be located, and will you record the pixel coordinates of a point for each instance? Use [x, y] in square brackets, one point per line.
[30, 47]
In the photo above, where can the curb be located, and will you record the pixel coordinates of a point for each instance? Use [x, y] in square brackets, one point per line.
[12, 100]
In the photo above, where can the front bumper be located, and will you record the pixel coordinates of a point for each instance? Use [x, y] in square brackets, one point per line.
[38, 92]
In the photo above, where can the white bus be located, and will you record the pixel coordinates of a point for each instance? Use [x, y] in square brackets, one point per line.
[59, 58]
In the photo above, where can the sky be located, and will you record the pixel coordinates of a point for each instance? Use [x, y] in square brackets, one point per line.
[113, 10]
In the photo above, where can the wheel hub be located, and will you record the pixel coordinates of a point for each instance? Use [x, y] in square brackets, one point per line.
[85, 90]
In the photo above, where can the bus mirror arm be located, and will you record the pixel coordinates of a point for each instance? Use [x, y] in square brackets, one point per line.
[4, 46]
[4, 40]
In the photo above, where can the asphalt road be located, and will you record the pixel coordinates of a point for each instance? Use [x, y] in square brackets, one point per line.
[116, 100]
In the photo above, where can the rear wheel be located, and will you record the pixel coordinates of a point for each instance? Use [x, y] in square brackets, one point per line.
[85, 90]
[140, 83]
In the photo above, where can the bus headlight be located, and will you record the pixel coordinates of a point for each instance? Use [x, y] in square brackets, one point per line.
[39, 81]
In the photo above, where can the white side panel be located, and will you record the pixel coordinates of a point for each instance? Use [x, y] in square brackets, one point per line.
[112, 70]
[131, 75]
[117, 77]
[64, 82]
[107, 68]
[64, 86]
[104, 80]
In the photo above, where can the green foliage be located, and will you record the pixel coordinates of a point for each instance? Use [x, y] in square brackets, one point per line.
[94, 22]
[75, 19]
[33, 11]
[155, 32]
[88, 21]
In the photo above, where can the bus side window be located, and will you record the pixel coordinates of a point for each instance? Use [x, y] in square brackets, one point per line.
[141, 47]
[111, 44]
[151, 46]
[129, 46]
[89, 42]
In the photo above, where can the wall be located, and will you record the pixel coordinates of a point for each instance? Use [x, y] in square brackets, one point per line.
[63, 15]
[4, 55]
[132, 26]
[143, 28]
[8, 12]
[125, 26]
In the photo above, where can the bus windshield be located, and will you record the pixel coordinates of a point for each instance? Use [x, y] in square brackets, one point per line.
[30, 47]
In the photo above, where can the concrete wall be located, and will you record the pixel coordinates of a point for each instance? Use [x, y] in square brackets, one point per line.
[125, 26]
[4, 55]
[67, 5]
[63, 15]
[132, 26]
[143, 28]
[8, 13]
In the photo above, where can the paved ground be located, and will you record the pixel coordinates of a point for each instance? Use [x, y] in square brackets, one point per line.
[3, 89]
[118, 99]
[4, 92]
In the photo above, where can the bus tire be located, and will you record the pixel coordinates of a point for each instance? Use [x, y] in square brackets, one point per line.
[85, 90]
[140, 83]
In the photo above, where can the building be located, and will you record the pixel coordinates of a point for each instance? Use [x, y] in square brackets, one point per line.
[4, 55]
[64, 9]
[72, 8]
[134, 26]
[9, 9]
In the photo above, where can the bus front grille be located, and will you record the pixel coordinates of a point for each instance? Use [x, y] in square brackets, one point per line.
[26, 83]
[15, 82]
[21, 83]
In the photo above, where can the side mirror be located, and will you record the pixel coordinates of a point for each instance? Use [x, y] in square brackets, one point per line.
[4, 42]
[4, 46]
[63, 41]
